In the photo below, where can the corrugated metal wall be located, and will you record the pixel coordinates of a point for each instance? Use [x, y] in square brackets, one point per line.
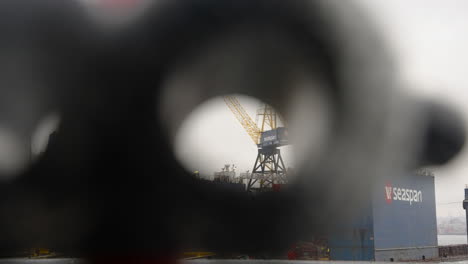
[354, 240]
[404, 217]
[399, 223]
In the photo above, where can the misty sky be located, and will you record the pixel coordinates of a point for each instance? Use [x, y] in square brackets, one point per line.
[430, 43]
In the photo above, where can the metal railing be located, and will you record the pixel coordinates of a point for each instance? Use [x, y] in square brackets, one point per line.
[453, 251]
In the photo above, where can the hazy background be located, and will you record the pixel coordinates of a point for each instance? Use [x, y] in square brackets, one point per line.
[431, 46]
[430, 43]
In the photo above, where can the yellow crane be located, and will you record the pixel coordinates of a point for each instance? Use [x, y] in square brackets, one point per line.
[269, 167]
[244, 119]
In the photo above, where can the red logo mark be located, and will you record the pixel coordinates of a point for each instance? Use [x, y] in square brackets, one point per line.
[388, 193]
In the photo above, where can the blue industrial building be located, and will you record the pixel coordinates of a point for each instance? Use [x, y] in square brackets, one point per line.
[399, 223]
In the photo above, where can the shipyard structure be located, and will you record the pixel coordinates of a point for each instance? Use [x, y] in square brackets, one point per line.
[398, 224]
[396, 220]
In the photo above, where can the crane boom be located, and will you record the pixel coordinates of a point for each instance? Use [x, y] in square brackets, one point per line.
[244, 119]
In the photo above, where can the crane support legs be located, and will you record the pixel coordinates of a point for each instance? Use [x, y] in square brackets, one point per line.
[269, 169]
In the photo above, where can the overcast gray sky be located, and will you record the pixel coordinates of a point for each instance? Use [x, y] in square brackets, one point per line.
[430, 43]
[430, 38]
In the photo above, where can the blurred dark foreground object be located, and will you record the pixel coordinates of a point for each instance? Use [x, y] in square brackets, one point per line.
[109, 184]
